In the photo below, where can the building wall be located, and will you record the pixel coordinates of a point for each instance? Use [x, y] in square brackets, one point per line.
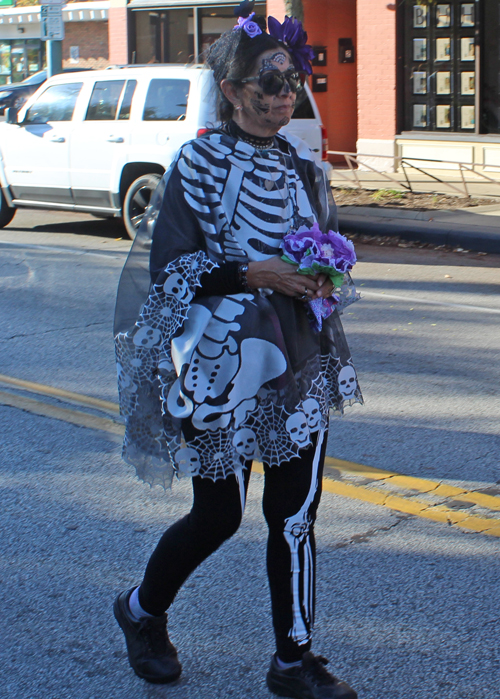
[118, 32]
[92, 41]
[276, 8]
[376, 31]
[326, 21]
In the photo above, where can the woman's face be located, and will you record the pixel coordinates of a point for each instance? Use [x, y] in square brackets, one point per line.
[257, 112]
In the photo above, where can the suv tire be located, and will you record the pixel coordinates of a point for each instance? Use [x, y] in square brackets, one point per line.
[136, 201]
[7, 212]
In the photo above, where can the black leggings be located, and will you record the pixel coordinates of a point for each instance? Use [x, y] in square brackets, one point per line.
[292, 493]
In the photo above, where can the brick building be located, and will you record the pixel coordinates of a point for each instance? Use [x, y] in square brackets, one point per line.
[22, 53]
[418, 78]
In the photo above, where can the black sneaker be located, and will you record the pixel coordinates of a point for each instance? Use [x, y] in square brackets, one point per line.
[150, 653]
[311, 680]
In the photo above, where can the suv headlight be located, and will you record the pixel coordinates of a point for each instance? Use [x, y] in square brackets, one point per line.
[5, 94]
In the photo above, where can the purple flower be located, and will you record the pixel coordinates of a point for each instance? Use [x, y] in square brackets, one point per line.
[309, 247]
[313, 252]
[251, 28]
[344, 254]
[291, 34]
[296, 245]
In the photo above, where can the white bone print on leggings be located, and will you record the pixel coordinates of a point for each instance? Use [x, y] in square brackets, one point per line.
[296, 533]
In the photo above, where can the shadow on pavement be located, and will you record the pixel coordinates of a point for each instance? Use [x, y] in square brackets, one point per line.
[103, 228]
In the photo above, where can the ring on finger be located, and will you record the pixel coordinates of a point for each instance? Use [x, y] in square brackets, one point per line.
[305, 296]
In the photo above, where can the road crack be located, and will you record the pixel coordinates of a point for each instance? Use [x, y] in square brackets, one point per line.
[370, 534]
[54, 330]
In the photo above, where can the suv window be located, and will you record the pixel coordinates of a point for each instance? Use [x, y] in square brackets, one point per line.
[303, 107]
[166, 100]
[127, 100]
[104, 100]
[56, 103]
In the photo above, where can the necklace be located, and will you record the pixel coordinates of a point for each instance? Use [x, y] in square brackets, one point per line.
[258, 142]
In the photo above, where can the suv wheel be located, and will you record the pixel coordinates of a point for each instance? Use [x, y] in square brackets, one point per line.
[137, 200]
[6, 212]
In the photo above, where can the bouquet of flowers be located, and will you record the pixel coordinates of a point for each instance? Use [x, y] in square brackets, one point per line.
[315, 252]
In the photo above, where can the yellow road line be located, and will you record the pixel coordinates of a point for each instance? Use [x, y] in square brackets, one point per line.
[336, 469]
[75, 417]
[408, 505]
[439, 513]
[69, 396]
[421, 485]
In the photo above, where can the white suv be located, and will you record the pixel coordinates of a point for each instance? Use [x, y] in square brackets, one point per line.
[100, 141]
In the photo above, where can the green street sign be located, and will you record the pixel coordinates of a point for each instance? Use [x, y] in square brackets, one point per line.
[4, 3]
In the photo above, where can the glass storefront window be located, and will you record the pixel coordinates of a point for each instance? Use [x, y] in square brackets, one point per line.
[19, 62]
[19, 59]
[5, 63]
[216, 20]
[181, 35]
[164, 36]
[440, 66]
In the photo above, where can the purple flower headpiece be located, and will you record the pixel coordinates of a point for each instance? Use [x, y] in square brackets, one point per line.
[250, 27]
[294, 38]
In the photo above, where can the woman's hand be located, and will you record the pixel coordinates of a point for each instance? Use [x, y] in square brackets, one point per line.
[281, 276]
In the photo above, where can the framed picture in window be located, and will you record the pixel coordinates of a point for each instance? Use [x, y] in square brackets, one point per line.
[467, 117]
[419, 82]
[419, 116]
[467, 83]
[419, 16]
[443, 16]
[443, 49]
[443, 82]
[467, 52]
[420, 50]
[467, 14]
[443, 116]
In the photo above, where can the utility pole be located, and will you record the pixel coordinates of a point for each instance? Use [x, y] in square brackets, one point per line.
[54, 57]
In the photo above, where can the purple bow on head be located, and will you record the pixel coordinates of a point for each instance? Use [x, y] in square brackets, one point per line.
[291, 34]
[250, 27]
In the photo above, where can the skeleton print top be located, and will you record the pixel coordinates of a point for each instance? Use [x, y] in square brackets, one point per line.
[209, 383]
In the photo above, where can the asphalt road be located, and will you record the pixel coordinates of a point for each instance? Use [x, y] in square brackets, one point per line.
[407, 608]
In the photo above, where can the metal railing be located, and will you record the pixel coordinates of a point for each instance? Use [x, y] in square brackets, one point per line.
[405, 164]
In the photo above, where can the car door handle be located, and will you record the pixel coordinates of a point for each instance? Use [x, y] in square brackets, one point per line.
[115, 139]
[57, 139]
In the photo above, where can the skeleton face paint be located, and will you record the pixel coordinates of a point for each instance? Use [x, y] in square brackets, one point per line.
[264, 115]
[279, 57]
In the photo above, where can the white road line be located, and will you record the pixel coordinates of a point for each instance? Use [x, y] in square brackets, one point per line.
[50, 248]
[462, 306]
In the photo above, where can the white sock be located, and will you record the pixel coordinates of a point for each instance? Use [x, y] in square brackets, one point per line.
[135, 608]
[286, 666]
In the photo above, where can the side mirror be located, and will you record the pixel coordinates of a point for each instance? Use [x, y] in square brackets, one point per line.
[11, 115]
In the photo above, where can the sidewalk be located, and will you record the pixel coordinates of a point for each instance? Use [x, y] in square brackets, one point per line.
[476, 228]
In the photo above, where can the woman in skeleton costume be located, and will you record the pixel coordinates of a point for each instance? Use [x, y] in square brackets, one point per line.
[217, 361]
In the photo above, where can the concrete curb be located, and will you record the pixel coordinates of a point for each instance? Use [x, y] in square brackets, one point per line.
[478, 238]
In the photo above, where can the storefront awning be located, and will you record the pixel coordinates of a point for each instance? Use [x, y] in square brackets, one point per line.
[74, 12]
[167, 4]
